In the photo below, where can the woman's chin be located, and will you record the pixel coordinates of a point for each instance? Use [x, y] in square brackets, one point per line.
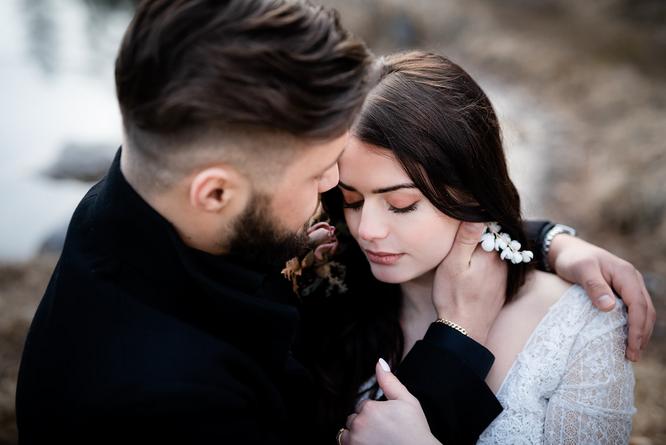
[389, 274]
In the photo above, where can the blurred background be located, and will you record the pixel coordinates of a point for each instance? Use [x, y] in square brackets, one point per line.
[580, 88]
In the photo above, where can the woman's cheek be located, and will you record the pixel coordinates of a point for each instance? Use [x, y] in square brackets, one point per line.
[435, 239]
[448, 235]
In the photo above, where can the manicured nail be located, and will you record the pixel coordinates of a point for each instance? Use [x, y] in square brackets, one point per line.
[384, 365]
[605, 301]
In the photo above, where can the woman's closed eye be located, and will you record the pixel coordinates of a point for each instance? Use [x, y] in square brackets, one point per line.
[352, 205]
[357, 205]
[409, 208]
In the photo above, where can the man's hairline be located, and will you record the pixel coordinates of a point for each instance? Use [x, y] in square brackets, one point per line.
[235, 141]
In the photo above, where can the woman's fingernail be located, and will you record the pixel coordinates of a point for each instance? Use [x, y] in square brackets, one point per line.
[475, 227]
[605, 301]
[384, 365]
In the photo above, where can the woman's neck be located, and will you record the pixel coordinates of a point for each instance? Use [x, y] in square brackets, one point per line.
[416, 309]
[417, 298]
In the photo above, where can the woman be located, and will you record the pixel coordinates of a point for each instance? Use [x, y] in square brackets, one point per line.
[426, 154]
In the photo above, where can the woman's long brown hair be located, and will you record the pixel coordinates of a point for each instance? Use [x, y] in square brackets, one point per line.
[440, 125]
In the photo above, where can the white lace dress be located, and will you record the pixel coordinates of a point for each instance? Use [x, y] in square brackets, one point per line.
[571, 384]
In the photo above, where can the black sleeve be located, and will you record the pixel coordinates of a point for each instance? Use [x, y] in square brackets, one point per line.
[536, 232]
[445, 371]
[473, 354]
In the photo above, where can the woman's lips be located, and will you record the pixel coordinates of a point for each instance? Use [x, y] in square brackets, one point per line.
[384, 258]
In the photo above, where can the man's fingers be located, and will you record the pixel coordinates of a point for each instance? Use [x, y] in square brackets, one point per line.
[651, 312]
[597, 288]
[634, 299]
[649, 324]
[389, 383]
[466, 240]
[636, 320]
[630, 287]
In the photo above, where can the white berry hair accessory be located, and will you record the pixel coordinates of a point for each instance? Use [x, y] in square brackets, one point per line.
[493, 239]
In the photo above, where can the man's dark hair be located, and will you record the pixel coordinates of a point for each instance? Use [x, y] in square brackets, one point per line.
[190, 66]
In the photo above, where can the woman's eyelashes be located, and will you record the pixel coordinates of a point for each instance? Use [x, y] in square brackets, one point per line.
[359, 204]
[409, 208]
[352, 205]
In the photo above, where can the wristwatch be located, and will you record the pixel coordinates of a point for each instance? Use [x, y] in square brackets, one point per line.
[555, 230]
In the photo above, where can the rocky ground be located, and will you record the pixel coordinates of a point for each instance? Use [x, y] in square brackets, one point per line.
[581, 90]
[21, 287]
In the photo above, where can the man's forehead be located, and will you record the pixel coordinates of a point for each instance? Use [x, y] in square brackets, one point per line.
[330, 151]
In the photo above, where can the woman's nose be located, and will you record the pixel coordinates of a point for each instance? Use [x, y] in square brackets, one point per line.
[371, 226]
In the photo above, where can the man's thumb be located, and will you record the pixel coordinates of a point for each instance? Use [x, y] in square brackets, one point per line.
[389, 383]
[600, 293]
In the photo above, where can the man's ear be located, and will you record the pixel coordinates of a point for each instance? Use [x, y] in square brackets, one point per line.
[214, 188]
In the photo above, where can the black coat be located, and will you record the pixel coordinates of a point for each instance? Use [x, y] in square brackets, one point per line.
[141, 339]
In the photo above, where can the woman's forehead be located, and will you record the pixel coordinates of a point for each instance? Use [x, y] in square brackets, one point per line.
[364, 164]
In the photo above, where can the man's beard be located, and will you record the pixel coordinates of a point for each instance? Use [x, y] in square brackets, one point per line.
[258, 240]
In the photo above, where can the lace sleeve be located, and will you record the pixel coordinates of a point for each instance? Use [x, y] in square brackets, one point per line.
[594, 402]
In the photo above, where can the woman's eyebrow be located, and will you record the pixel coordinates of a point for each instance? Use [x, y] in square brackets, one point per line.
[381, 190]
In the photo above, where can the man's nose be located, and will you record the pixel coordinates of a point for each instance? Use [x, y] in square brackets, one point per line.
[330, 179]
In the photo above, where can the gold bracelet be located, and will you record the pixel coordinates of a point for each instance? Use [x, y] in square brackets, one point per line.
[453, 325]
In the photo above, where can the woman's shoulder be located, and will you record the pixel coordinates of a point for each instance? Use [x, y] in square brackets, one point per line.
[570, 303]
[539, 293]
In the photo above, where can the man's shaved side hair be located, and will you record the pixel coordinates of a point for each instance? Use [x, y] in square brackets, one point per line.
[163, 160]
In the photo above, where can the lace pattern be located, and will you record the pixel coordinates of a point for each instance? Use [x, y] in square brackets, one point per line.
[571, 384]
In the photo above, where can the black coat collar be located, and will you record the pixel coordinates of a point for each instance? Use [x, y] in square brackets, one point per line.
[250, 307]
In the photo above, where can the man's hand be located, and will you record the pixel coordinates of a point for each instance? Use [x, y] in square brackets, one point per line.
[600, 272]
[396, 421]
[470, 284]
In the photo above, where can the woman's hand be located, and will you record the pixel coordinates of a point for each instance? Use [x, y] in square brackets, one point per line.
[396, 421]
[470, 284]
[599, 272]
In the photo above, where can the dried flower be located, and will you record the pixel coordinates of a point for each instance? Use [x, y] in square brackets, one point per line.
[308, 273]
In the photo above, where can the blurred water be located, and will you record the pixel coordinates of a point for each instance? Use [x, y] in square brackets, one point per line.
[56, 81]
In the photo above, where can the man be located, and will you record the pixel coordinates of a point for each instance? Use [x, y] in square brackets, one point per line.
[166, 319]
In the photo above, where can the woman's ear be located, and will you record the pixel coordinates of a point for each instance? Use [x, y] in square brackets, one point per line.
[214, 188]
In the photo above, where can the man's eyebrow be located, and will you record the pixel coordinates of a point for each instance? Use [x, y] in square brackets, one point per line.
[381, 190]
